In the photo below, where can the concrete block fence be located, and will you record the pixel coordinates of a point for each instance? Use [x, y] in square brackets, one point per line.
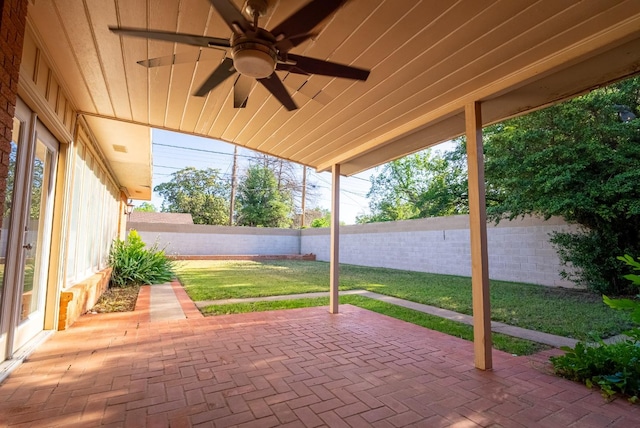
[519, 250]
[204, 240]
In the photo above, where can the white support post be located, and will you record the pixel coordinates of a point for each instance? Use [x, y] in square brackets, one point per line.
[478, 231]
[334, 260]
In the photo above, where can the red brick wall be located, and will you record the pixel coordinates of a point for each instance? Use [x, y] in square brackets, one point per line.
[13, 16]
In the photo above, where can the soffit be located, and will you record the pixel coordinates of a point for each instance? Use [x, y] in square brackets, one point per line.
[427, 60]
[127, 148]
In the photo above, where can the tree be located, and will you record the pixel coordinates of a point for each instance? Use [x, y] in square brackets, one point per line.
[310, 215]
[202, 193]
[260, 202]
[284, 172]
[319, 217]
[289, 177]
[146, 207]
[324, 220]
[577, 160]
[420, 185]
[11, 175]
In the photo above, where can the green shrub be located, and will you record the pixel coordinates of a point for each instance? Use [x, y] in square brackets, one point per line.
[587, 257]
[133, 264]
[630, 305]
[611, 367]
[614, 368]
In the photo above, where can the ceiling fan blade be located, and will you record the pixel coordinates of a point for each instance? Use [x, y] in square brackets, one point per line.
[277, 89]
[305, 19]
[306, 88]
[219, 75]
[191, 57]
[307, 65]
[241, 90]
[179, 58]
[231, 15]
[187, 39]
[285, 45]
[291, 68]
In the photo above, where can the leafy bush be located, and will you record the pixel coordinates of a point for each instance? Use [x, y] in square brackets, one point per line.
[586, 254]
[577, 160]
[627, 304]
[612, 367]
[133, 264]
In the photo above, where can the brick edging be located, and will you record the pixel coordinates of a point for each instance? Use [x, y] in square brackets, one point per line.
[188, 306]
[143, 304]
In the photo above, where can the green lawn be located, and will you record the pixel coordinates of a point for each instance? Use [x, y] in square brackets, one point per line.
[557, 311]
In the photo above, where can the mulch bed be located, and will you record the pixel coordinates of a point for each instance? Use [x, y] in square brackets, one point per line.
[117, 299]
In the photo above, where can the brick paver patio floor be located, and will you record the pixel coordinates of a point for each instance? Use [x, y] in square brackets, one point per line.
[298, 368]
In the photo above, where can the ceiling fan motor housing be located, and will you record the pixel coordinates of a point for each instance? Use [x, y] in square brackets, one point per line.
[254, 57]
[256, 52]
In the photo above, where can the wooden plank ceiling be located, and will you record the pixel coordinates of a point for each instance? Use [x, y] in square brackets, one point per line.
[427, 59]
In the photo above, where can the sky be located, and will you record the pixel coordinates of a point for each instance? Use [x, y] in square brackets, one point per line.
[173, 151]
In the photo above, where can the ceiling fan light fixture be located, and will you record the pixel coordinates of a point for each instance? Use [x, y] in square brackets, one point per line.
[254, 59]
[256, 52]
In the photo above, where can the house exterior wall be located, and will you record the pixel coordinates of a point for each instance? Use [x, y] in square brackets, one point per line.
[519, 250]
[85, 230]
[13, 16]
[41, 89]
[25, 72]
[198, 239]
[91, 227]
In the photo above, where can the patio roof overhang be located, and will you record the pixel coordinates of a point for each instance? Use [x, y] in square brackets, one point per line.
[428, 60]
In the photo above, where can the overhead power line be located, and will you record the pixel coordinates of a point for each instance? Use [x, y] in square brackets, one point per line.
[230, 154]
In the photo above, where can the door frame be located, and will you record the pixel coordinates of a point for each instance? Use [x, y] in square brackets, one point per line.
[30, 130]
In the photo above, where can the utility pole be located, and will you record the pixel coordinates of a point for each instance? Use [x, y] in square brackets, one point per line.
[304, 192]
[233, 185]
[280, 175]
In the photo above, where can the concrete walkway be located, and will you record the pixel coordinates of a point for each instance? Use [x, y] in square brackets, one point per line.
[498, 327]
[164, 304]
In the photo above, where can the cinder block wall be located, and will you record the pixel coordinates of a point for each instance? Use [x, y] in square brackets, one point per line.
[519, 250]
[199, 240]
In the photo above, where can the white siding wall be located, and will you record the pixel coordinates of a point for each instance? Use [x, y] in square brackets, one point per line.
[93, 213]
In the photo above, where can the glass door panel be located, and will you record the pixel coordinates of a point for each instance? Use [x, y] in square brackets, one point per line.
[25, 246]
[5, 295]
[33, 282]
[36, 242]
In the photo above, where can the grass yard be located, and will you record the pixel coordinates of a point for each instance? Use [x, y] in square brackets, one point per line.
[553, 310]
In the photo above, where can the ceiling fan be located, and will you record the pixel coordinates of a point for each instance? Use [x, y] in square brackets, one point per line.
[258, 53]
